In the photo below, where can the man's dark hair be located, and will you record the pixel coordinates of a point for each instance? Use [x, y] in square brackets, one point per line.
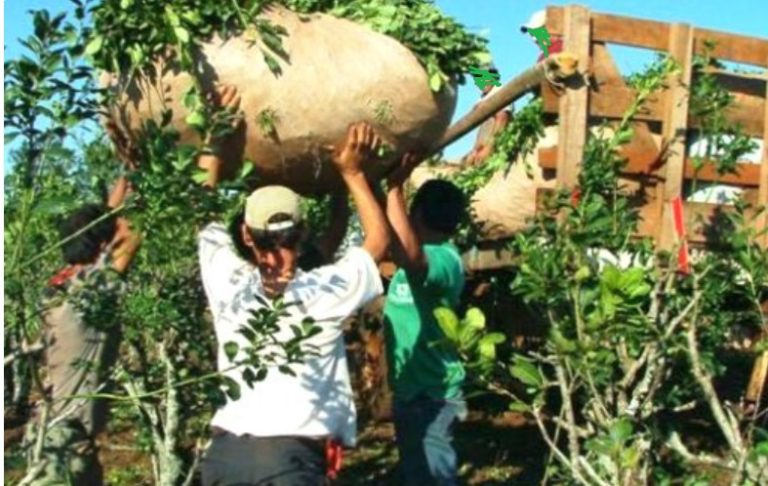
[84, 248]
[441, 205]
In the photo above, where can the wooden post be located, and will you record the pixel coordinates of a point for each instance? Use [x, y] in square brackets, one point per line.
[762, 197]
[760, 369]
[573, 104]
[674, 130]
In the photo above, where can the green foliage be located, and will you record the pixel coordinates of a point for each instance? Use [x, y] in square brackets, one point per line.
[726, 143]
[168, 358]
[629, 339]
[517, 140]
[468, 337]
[267, 347]
[128, 35]
[383, 113]
[445, 49]
[268, 120]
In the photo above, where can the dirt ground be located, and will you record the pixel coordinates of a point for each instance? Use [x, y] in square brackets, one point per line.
[505, 450]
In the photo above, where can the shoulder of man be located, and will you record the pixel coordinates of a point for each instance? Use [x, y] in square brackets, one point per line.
[447, 253]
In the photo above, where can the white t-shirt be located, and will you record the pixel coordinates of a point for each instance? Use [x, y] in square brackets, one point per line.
[318, 401]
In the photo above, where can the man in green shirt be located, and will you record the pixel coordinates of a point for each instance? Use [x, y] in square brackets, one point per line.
[426, 378]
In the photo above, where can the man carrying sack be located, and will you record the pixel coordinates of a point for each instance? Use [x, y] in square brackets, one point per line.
[277, 432]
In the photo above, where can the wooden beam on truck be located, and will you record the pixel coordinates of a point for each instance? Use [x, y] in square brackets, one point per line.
[573, 108]
[674, 131]
[705, 222]
[641, 162]
[616, 29]
[610, 100]
[732, 47]
[556, 68]
[651, 34]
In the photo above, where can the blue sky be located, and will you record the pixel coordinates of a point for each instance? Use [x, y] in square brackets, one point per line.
[499, 21]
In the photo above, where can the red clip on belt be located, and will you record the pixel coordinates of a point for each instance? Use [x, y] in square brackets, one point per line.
[333, 456]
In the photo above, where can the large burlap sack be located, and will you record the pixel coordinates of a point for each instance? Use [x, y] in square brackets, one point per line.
[338, 73]
[504, 206]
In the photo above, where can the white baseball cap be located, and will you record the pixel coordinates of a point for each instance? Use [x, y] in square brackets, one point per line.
[538, 19]
[265, 203]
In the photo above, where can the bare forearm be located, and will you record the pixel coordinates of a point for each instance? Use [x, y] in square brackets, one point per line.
[212, 164]
[410, 256]
[371, 215]
[118, 193]
[125, 245]
[500, 121]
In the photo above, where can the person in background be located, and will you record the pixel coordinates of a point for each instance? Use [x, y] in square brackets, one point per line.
[278, 432]
[535, 24]
[483, 147]
[426, 379]
[80, 336]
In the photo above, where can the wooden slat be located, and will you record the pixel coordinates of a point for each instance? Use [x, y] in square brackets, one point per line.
[733, 47]
[747, 174]
[640, 162]
[611, 100]
[652, 34]
[675, 128]
[573, 104]
[750, 84]
[616, 29]
[702, 220]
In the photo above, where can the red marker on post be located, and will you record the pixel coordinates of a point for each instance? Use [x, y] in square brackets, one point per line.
[682, 253]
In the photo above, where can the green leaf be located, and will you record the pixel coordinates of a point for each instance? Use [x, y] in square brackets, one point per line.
[474, 318]
[196, 120]
[526, 372]
[621, 431]
[249, 377]
[232, 388]
[94, 46]
[520, 407]
[181, 34]
[488, 343]
[483, 58]
[231, 349]
[10, 137]
[173, 17]
[435, 82]
[761, 449]
[448, 322]
[53, 206]
[582, 274]
[563, 344]
[286, 370]
[192, 17]
[245, 171]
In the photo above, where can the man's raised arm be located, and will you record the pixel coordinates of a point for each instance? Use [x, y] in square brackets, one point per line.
[359, 145]
[407, 251]
[228, 98]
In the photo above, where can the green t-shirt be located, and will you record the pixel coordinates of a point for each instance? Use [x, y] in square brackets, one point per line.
[416, 366]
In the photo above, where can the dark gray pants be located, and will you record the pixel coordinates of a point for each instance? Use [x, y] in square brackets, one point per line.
[233, 460]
